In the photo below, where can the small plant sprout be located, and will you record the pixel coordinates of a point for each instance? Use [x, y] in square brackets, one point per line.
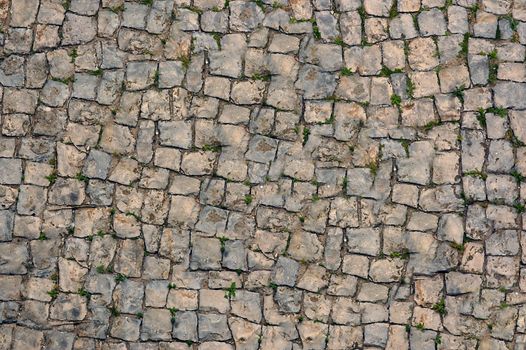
[440, 307]
[230, 292]
[81, 177]
[493, 67]
[410, 88]
[53, 293]
[481, 117]
[393, 12]
[464, 46]
[519, 207]
[264, 76]
[114, 311]
[362, 13]
[458, 246]
[387, 72]
[476, 173]
[501, 112]
[339, 41]
[327, 121]
[74, 54]
[222, 241]
[405, 145]
[52, 177]
[120, 277]
[345, 72]
[83, 293]
[517, 175]
[316, 31]
[459, 93]
[117, 9]
[403, 254]
[173, 313]
[306, 133]
[212, 148]
[396, 100]
[431, 125]
[185, 60]
[97, 72]
[137, 217]
[373, 167]
[156, 78]
[248, 199]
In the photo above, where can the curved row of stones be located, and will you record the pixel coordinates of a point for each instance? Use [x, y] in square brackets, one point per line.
[262, 175]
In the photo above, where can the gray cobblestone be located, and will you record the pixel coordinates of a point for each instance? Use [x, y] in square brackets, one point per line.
[254, 175]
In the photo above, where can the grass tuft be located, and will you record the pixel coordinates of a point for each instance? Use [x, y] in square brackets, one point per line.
[120, 277]
[222, 241]
[316, 31]
[493, 67]
[519, 207]
[230, 292]
[481, 117]
[248, 199]
[306, 134]
[476, 173]
[459, 93]
[431, 125]
[396, 100]
[440, 307]
[463, 53]
[345, 72]
[52, 177]
[410, 89]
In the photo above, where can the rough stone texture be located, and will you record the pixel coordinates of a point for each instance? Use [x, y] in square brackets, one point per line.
[291, 174]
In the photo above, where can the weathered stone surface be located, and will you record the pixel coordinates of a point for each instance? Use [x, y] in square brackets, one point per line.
[126, 328]
[129, 259]
[67, 192]
[244, 16]
[510, 94]
[261, 175]
[156, 325]
[71, 275]
[68, 307]
[185, 326]
[15, 257]
[128, 295]
[213, 327]
[78, 29]
[10, 171]
[23, 13]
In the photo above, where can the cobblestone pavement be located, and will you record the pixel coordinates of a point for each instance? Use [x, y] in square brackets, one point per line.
[220, 175]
